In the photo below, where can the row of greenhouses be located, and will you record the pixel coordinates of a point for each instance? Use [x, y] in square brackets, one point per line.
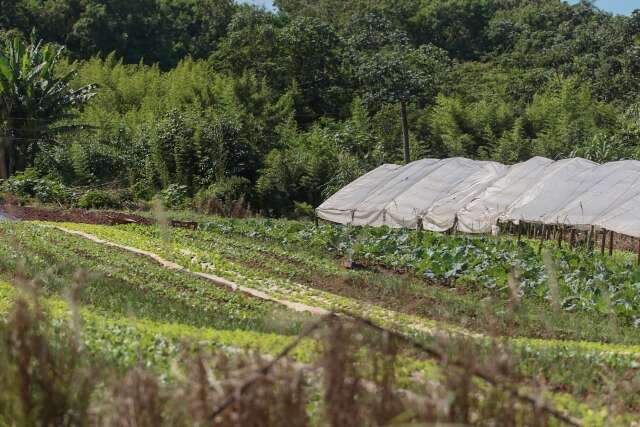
[475, 196]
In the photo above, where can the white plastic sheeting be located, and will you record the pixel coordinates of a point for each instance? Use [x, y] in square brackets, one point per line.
[485, 210]
[559, 184]
[607, 188]
[473, 196]
[449, 186]
[355, 193]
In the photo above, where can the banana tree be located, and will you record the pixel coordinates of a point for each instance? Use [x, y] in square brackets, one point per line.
[32, 97]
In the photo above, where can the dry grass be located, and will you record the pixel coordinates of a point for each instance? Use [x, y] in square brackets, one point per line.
[47, 380]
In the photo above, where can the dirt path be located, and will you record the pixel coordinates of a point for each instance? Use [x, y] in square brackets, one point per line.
[320, 305]
[220, 281]
[29, 213]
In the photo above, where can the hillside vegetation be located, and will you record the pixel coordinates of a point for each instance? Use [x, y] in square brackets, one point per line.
[225, 107]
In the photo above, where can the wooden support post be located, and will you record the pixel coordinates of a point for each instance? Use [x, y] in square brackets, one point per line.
[419, 225]
[604, 241]
[542, 238]
[639, 251]
[560, 235]
[315, 219]
[611, 243]
[572, 240]
[519, 231]
[590, 237]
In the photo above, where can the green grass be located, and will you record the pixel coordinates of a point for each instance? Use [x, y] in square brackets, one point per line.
[472, 307]
[120, 283]
[149, 324]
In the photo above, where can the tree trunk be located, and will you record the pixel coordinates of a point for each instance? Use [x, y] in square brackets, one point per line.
[10, 148]
[405, 132]
[4, 160]
[5, 153]
[11, 153]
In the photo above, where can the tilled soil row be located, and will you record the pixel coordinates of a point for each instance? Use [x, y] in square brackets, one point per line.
[295, 306]
[30, 213]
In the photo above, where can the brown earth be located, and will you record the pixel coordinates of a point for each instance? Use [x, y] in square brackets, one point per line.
[33, 213]
[30, 213]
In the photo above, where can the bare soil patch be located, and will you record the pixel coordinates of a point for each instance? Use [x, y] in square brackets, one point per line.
[31, 213]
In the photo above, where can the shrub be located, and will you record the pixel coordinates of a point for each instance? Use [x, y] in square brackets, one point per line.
[46, 190]
[175, 196]
[303, 210]
[142, 190]
[224, 197]
[99, 199]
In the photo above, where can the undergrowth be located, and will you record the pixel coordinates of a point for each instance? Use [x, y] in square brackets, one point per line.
[49, 378]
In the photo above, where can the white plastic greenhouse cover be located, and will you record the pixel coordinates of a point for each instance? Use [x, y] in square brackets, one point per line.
[473, 196]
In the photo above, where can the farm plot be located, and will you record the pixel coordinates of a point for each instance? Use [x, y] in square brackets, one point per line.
[579, 364]
[152, 314]
[586, 281]
[117, 281]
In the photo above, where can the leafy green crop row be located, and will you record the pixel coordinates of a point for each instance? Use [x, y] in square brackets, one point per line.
[495, 314]
[157, 338]
[125, 341]
[587, 281]
[205, 258]
[126, 284]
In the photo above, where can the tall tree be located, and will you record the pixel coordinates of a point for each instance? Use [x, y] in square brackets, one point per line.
[310, 54]
[390, 70]
[251, 44]
[32, 97]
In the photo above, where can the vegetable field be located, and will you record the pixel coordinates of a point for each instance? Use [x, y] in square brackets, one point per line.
[480, 330]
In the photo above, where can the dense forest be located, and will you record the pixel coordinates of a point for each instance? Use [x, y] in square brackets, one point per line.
[220, 106]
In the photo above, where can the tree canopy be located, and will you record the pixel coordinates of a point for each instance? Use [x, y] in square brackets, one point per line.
[32, 96]
[279, 108]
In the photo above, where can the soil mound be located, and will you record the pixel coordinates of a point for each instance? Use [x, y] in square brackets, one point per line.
[29, 213]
